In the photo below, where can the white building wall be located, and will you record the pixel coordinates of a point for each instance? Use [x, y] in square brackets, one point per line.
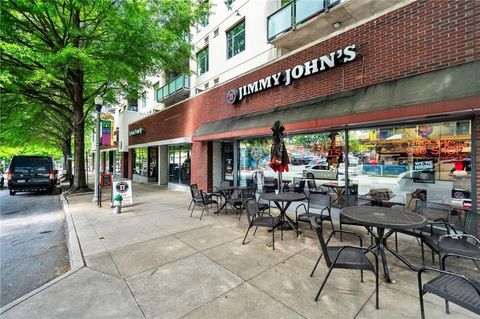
[257, 50]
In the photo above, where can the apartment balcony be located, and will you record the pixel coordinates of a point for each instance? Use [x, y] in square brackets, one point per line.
[303, 21]
[174, 91]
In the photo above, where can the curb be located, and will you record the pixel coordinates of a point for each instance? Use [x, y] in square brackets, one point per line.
[74, 254]
[74, 250]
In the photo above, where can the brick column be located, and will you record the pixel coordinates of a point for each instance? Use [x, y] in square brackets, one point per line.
[201, 164]
[130, 164]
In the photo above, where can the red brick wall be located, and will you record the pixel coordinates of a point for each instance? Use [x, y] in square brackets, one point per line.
[200, 165]
[419, 38]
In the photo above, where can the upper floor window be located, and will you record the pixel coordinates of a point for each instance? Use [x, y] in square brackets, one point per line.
[203, 22]
[143, 101]
[202, 61]
[236, 39]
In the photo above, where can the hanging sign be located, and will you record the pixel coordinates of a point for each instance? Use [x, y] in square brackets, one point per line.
[123, 188]
[321, 64]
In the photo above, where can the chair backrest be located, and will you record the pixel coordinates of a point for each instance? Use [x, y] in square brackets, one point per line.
[380, 193]
[472, 224]
[433, 211]
[318, 200]
[193, 187]
[252, 209]
[298, 185]
[197, 195]
[317, 225]
[311, 184]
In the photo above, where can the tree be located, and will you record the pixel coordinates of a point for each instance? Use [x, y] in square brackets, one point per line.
[27, 124]
[63, 53]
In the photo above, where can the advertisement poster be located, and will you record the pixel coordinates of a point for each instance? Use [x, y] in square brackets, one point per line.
[123, 188]
[423, 171]
[106, 132]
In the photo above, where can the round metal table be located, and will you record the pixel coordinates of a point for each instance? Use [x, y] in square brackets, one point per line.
[283, 201]
[227, 192]
[383, 218]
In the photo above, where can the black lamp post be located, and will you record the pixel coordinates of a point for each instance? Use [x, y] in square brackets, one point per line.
[98, 107]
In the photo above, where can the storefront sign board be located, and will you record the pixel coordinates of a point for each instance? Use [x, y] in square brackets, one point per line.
[137, 131]
[320, 64]
[123, 188]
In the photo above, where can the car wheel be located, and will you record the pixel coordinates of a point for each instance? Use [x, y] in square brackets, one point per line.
[12, 193]
[310, 176]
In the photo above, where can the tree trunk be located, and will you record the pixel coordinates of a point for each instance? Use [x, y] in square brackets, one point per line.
[79, 180]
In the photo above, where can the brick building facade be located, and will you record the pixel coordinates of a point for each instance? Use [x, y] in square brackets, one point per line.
[419, 63]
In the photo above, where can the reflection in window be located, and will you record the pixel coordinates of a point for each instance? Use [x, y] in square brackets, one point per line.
[315, 156]
[140, 160]
[432, 158]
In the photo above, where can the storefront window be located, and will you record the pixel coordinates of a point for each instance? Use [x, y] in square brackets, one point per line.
[153, 168]
[179, 164]
[433, 159]
[140, 161]
[314, 156]
[117, 164]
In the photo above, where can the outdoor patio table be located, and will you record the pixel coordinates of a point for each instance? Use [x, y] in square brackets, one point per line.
[283, 201]
[338, 190]
[226, 192]
[382, 218]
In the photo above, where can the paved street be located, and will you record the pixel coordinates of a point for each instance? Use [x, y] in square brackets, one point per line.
[32, 243]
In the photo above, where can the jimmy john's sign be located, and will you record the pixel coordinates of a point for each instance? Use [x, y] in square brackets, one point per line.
[321, 64]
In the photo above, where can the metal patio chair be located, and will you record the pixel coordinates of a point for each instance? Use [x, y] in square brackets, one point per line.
[450, 286]
[315, 200]
[261, 219]
[344, 257]
[238, 200]
[466, 244]
[201, 199]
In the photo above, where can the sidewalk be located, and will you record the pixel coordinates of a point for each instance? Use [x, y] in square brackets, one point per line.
[153, 261]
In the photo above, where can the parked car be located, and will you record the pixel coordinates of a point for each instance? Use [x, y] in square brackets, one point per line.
[31, 173]
[321, 171]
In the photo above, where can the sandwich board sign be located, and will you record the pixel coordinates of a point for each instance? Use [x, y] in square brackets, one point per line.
[123, 188]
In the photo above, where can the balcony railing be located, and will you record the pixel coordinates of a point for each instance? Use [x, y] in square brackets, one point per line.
[180, 84]
[294, 13]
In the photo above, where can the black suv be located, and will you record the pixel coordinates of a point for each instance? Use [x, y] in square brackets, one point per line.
[31, 173]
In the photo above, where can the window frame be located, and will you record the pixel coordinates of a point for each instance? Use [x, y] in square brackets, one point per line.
[227, 32]
[198, 58]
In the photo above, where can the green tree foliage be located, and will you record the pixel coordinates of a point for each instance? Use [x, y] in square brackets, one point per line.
[63, 53]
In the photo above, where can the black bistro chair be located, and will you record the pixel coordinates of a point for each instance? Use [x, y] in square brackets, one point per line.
[238, 200]
[321, 202]
[261, 219]
[466, 244]
[201, 199]
[344, 257]
[452, 287]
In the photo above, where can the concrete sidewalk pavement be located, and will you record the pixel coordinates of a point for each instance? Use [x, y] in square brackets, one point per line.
[153, 261]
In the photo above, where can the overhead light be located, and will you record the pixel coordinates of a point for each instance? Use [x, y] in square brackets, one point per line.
[336, 25]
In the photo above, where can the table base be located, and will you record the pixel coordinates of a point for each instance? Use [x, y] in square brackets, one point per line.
[380, 245]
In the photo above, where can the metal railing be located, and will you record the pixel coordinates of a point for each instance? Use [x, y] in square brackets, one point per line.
[181, 82]
[295, 13]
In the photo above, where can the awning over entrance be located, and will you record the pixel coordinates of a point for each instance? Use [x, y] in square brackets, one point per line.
[447, 91]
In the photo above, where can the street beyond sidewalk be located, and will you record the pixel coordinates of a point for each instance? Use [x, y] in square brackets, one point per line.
[154, 261]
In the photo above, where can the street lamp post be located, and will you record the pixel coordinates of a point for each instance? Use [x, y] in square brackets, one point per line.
[98, 107]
